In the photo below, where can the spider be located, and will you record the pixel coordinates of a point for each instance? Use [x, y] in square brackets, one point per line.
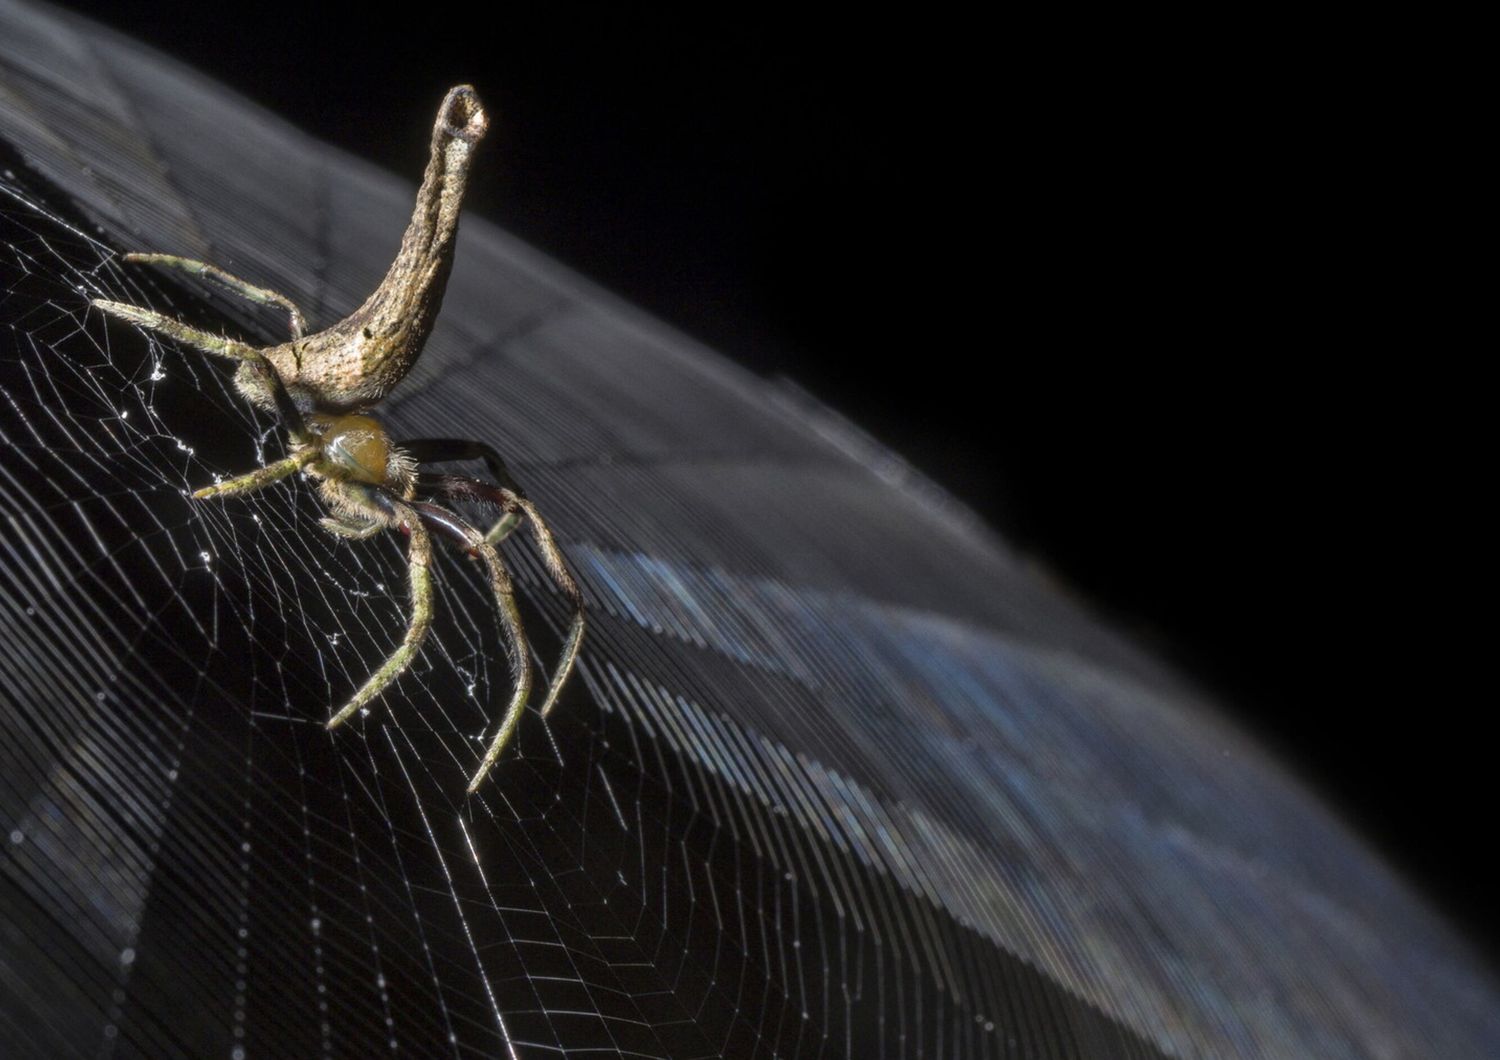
[321, 387]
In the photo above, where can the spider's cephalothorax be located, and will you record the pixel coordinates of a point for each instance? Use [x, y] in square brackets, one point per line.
[321, 385]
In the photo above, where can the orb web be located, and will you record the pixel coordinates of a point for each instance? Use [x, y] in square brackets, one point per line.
[838, 776]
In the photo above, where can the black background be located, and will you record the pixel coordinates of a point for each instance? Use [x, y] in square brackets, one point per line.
[1132, 290]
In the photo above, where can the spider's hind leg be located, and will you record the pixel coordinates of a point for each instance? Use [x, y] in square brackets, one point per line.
[198, 339]
[230, 282]
[256, 377]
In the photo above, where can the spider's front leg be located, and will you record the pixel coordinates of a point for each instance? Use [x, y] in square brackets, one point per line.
[460, 487]
[387, 509]
[446, 524]
[377, 505]
[442, 450]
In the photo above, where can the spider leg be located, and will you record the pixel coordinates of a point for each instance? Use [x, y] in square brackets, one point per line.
[460, 487]
[215, 345]
[502, 528]
[250, 359]
[419, 566]
[438, 450]
[260, 477]
[446, 524]
[230, 282]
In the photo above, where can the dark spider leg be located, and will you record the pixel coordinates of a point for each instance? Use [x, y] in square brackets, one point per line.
[460, 487]
[441, 450]
[445, 524]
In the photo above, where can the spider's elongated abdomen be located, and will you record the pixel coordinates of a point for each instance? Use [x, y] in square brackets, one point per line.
[359, 360]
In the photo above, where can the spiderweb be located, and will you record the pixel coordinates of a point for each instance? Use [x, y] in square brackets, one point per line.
[837, 777]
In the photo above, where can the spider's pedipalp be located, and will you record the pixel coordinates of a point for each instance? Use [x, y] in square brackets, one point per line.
[349, 528]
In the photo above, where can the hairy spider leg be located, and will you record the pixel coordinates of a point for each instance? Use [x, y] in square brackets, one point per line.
[503, 528]
[228, 281]
[217, 346]
[260, 477]
[214, 345]
[461, 487]
[440, 450]
[419, 567]
[446, 524]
